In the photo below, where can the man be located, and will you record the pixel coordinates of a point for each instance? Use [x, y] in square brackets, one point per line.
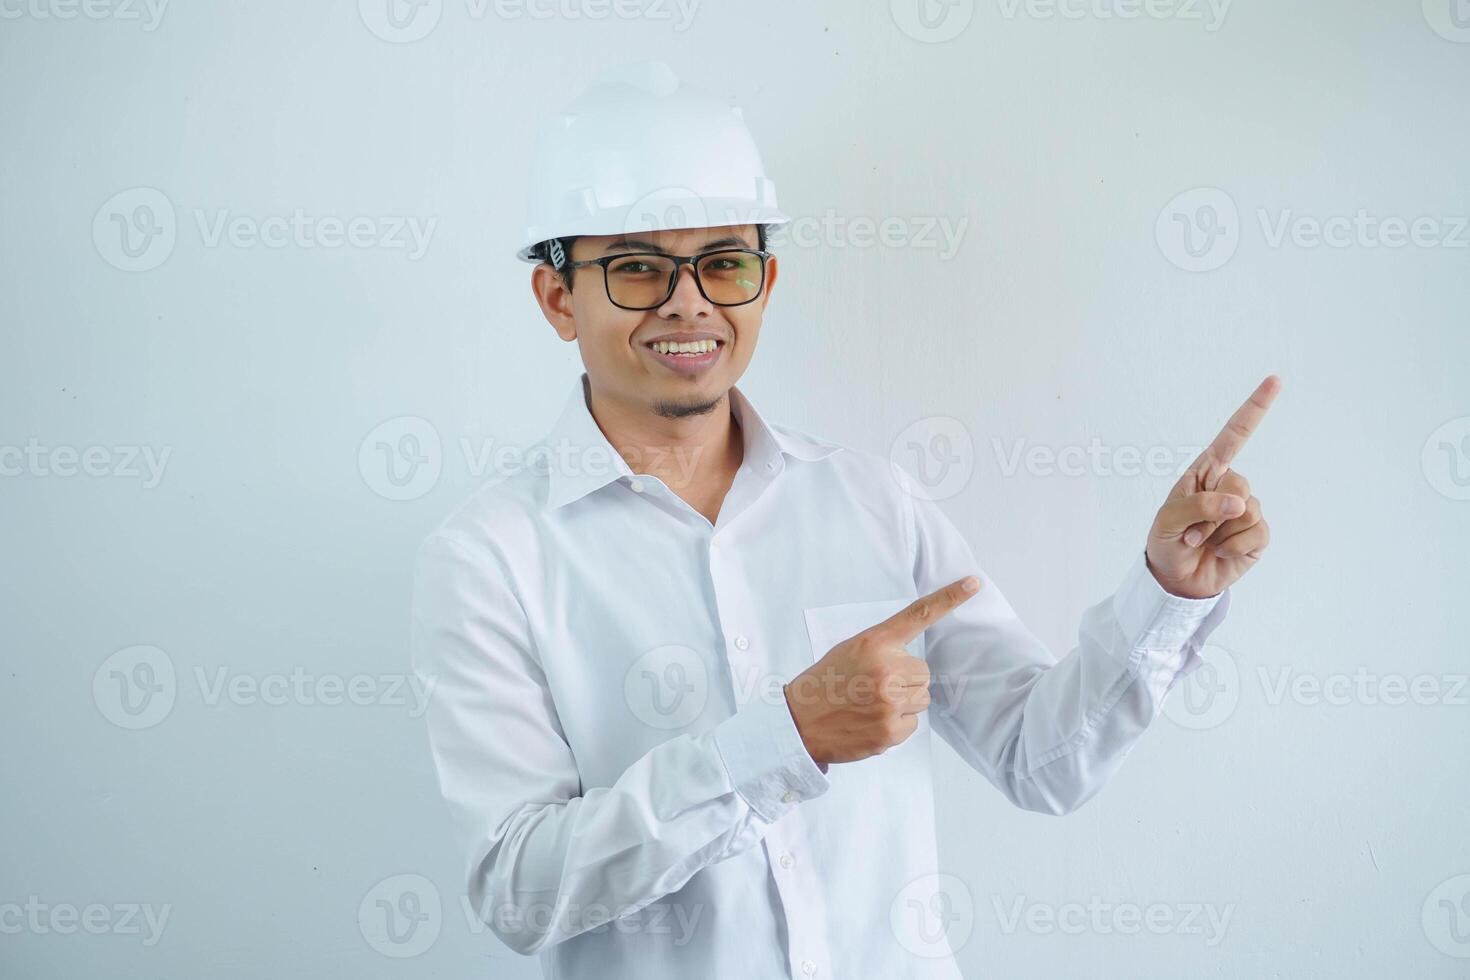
[687, 670]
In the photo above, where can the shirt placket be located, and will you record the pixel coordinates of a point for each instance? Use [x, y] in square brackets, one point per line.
[753, 675]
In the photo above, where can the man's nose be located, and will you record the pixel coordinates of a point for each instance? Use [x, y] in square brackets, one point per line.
[686, 301]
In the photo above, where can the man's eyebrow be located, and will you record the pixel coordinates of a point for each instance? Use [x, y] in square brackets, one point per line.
[728, 240]
[640, 245]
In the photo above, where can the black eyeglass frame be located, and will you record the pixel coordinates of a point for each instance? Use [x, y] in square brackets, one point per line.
[679, 261]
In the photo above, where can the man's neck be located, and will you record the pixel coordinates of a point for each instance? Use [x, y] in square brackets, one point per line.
[696, 456]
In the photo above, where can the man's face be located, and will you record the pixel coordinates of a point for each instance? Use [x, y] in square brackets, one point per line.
[618, 346]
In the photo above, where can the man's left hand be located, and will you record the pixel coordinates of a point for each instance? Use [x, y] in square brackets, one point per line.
[1210, 530]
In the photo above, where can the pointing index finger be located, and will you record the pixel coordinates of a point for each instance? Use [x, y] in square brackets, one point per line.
[925, 611]
[1239, 427]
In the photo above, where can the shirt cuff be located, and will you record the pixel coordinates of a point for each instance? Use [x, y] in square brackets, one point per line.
[768, 762]
[1151, 616]
[1170, 629]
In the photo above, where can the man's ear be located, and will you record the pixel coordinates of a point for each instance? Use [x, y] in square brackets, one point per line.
[772, 270]
[555, 300]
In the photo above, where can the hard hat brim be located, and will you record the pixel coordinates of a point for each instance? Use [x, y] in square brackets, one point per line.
[678, 216]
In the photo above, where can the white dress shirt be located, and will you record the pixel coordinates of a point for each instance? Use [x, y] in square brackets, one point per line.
[629, 788]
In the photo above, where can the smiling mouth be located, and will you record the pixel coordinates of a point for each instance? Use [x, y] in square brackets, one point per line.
[688, 348]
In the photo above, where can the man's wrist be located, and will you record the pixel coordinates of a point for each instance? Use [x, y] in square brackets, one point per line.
[1164, 585]
[786, 693]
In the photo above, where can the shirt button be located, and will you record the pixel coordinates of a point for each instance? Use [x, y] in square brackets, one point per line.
[787, 860]
[637, 485]
[790, 796]
[741, 642]
[808, 967]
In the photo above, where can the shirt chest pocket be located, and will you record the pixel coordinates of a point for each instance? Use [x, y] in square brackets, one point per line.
[827, 626]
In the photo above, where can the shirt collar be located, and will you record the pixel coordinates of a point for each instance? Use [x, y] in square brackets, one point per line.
[580, 459]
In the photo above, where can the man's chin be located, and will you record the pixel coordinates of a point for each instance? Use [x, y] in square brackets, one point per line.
[688, 404]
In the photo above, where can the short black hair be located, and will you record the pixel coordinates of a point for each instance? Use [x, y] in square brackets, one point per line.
[541, 251]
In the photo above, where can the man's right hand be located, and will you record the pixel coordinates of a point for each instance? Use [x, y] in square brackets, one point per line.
[865, 694]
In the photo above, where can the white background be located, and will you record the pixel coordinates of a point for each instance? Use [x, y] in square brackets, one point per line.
[1331, 834]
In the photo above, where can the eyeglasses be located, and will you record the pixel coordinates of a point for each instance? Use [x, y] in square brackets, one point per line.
[646, 280]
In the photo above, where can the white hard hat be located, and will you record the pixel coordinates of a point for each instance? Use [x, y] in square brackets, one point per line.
[637, 151]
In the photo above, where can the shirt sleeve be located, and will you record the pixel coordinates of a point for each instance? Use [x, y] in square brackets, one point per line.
[1048, 732]
[542, 854]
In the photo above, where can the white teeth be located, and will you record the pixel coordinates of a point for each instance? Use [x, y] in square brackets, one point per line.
[691, 347]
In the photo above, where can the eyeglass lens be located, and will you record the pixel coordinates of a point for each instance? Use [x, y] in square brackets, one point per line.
[642, 280]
